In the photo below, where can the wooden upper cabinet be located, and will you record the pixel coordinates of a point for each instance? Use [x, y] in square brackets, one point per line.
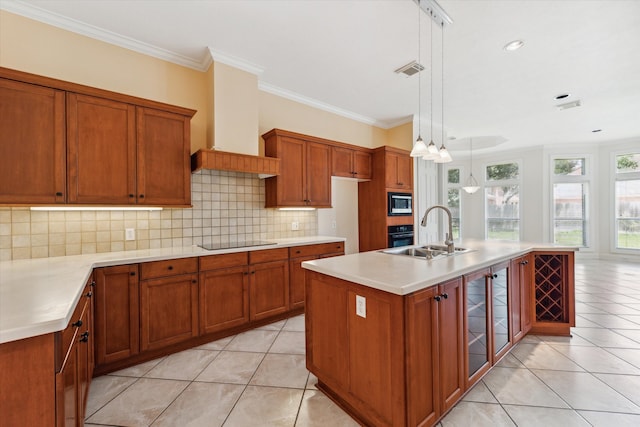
[398, 170]
[164, 160]
[350, 163]
[305, 172]
[101, 150]
[32, 144]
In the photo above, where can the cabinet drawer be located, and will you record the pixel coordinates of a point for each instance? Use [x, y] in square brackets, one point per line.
[320, 249]
[268, 255]
[214, 262]
[172, 267]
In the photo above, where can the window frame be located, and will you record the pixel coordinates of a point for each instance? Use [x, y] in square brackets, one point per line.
[454, 186]
[615, 177]
[585, 179]
[486, 183]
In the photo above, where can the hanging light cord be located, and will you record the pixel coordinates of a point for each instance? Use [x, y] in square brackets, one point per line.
[442, 84]
[419, 79]
[431, 76]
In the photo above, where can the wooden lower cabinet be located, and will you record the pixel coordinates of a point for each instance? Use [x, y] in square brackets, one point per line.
[117, 318]
[520, 294]
[168, 310]
[300, 254]
[268, 289]
[435, 351]
[224, 292]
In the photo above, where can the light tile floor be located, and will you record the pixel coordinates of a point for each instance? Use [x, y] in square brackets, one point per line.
[258, 378]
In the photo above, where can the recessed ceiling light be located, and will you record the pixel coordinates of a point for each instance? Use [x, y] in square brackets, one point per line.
[563, 96]
[596, 130]
[514, 45]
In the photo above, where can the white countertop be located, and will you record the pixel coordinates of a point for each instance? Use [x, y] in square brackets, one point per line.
[402, 274]
[38, 296]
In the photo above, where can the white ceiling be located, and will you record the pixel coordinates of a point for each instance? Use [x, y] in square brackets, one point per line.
[341, 55]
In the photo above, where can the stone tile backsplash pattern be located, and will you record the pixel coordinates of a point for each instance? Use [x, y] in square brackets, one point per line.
[227, 207]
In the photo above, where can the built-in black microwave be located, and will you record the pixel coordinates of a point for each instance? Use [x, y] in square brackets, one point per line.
[399, 204]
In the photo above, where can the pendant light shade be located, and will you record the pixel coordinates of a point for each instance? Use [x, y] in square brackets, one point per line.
[471, 184]
[419, 148]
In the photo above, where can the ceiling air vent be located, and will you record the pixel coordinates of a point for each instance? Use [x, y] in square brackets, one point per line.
[568, 105]
[410, 69]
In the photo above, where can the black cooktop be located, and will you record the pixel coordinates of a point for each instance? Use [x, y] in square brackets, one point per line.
[233, 245]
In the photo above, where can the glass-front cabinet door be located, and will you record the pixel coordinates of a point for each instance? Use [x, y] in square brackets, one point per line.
[476, 324]
[500, 310]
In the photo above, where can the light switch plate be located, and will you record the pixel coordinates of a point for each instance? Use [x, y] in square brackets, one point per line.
[295, 225]
[361, 306]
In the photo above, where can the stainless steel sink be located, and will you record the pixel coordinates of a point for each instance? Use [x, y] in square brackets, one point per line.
[427, 252]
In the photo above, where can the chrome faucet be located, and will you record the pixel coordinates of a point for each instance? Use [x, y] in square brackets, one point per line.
[449, 238]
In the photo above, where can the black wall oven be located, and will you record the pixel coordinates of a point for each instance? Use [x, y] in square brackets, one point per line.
[400, 235]
[399, 204]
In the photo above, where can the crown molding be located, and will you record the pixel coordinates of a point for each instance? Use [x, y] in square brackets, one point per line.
[235, 62]
[56, 20]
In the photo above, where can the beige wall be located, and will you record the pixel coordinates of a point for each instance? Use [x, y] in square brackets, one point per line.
[282, 113]
[38, 48]
[401, 136]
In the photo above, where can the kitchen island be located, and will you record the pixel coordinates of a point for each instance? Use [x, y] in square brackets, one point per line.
[397, 340]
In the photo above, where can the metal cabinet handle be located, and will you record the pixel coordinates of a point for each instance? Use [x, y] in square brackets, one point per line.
[445, 295]
[437, 298]
[77, 324]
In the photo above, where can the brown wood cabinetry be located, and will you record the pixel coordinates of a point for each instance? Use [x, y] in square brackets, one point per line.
[390, 166]
[164, 161]
[299, 254]
[520, 290]
[117, 150]
[553, 308]
[224, 292]
[305, 171]
[268, 283]
[32, 144]
[398, 169]
[74, 363]
[168, 302]
[350, 163]
[435, 351]
[117, 308]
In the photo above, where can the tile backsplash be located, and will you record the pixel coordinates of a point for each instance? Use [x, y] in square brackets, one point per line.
[227, 207]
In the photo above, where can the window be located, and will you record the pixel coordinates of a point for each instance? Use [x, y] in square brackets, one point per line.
[502, 201]
[453, 200]
[570, 189]
[627, 201]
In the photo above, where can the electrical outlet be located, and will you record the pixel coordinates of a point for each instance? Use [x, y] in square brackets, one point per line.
[333, 224]
[361, 306]
[295, 225]
[130, 234]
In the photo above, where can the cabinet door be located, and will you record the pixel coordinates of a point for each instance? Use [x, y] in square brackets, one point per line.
[224, 299]
[67, 408]
[269, 289]
[500, 306]
[398, 171]
[296, 281]
[318, 175]
[520, 298]
[477, 327]
[291, 182]
[32, 144]
[422, 357]
[164, 165]
[451, 343]
[362, 164]
[342, 162]
[116, 321]
[84, 342]
[168, 310]
[101, 150]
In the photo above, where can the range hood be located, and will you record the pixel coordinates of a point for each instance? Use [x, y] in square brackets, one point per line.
[222, 160]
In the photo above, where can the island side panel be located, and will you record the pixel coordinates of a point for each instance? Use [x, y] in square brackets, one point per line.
[359, 361]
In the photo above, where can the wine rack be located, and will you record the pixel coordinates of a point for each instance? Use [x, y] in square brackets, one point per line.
[550, 287]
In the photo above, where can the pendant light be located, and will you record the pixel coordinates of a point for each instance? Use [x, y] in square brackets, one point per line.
[445, 157]
[419, 148]
[432, 150]
[471, 184]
